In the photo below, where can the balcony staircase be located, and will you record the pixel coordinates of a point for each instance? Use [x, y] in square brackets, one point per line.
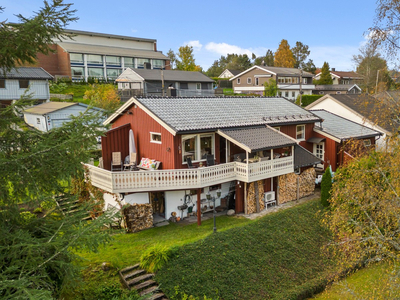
[135, 278]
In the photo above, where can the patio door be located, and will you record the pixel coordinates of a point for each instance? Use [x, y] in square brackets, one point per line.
[222, 150]
[157, 201]
[319, 151]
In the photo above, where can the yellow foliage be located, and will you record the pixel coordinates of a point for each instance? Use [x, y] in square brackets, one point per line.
[284, 56]
[103, 96]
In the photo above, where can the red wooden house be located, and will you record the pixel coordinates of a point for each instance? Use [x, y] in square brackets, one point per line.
[250, 139]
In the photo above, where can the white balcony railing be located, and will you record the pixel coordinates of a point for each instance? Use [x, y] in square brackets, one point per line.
[162, 180]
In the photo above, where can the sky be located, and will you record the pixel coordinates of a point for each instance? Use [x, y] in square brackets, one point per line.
[333, 30]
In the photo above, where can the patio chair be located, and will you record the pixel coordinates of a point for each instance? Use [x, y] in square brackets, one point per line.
[130, 162]
[101, 163]
[116, 161]
[210, 160]
[189, 163]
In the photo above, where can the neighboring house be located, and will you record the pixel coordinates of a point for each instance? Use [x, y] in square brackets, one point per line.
[354, 108]
[18, 81]
[289, 80]
[332, 135]
[322, 89]
[133, 82]
[100, 55]
[341, 77]
[54, 114]
[250, 139]
[229, 73]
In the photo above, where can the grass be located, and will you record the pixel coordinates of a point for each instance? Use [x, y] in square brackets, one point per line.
[77, 90]
[372, 282]
[276, 257]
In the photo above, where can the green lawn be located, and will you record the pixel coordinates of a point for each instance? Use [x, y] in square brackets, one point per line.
[372, 282]
[276, 257]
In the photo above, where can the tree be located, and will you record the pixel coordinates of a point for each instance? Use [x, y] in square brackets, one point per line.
[21, 42]
[284, 56]
[239, 62]
[37, 251]
[326, 185]
[270, 88]
[325, 77]
[104, 96]
[300, 53]
[172, 58]
[267, 60]
[186, 60]
[309, 66]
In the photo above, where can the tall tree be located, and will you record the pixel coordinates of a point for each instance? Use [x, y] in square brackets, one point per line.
[269, 58]
[325, 77]
[239, 62]
[185, 61]
[300, 53]
[37, 250]
[309, 66]
[284, 56]
[172, 58]
[270, 88]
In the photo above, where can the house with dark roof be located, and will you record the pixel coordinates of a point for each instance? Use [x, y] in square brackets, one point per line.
[173, 83]
[342, 77]
[229, 73]
[49, 115]
[322, 89]
[100, 55]
[335, 139]
[29, 80]
[203, 145]
[360, 109]
[290, 81]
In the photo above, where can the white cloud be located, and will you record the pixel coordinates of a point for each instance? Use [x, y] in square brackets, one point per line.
[224, 49]
[197, 46]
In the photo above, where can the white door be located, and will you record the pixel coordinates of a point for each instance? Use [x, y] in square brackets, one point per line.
[319, 150]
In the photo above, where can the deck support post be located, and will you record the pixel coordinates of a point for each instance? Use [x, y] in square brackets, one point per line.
[198, 207]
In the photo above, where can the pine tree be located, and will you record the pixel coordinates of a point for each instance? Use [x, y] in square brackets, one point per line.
[325, 77]
[284, 56]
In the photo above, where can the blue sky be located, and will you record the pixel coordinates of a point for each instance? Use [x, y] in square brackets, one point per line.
[334, 30]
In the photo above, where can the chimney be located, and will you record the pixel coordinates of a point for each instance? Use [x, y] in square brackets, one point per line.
[333, 69]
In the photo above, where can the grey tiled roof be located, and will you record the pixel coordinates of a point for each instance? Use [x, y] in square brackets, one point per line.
[304, 158]
[234, 72]
[333, 87]
[49, 107]
[259, 138]
[173, 75]
[342, 128]
[286, 71]
[25, 73]
[192, 114]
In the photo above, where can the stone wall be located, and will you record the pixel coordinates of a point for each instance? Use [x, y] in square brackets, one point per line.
[288, 185]
[138, 217]
[251, 197]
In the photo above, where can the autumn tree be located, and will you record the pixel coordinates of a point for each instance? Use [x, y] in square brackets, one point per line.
[325, 77]
[284, 56]
[104, 96]
[270, 88]
[185, 60]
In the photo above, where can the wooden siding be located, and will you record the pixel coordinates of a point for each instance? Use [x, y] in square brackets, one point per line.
[290, 130]
[142, 124]
[38, 88]
[115, 141]
[331, 152]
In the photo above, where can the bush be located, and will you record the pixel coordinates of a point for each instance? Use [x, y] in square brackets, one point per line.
[155, 258]
[307, 99]
[326, 185]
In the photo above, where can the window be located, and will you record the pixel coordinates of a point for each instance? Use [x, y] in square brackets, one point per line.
[94, 59]
[295, 79]
[155, 137]
[23, 84]
[2, 83]
[321, 93]
[113, 60]
[76, 58]
[238, 81]
[277, 128]
[256, 81]
[141, 61]
[198, 86]
[184, 85]
[288, 80]
[197, 147]
[95, 72]
[77, 72]
[248, 80]
[113, 73]
[281, 80]
[37, 120]
[367, 143]
[158, 64]
[338, 92]
[280, 94]
[300, 132]
[129, 62]
[293, 94]
[305, 80]
[286, 94]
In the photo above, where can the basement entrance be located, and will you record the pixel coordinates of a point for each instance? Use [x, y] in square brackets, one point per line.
[157, 201]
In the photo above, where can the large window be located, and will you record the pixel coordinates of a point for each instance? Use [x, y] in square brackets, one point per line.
[300, 132]
[94, 59]
[129, 62]
[95, 72]
[141, 61]
[113, 60]
[158, 64]
[197, 147]
[77, 72]
[113, 73]
[76, 58]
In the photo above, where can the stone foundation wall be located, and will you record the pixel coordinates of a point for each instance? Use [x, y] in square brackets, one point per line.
[138, 217]
[288, 185]
[251, 197]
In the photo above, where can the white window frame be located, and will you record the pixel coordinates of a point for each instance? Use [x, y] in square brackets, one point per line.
[198, 146]
[303, 133]
[248, 80]
[153, 139]
[319, 155]
[238, 81]
[367, 143]
[304, 80]
[277, 128]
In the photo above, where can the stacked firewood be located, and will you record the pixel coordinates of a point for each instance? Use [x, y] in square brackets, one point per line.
[138, 217]
[288, 185]
[252, 196]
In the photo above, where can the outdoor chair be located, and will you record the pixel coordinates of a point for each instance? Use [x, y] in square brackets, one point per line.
[210, 160]
[116, 161]
[101, 163]
[130, 162]
[189, 163]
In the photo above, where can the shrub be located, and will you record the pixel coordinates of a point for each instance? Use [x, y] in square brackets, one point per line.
[26, 217]
[37, 210]
[326, 185]
[307, 99]
[154, 258]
